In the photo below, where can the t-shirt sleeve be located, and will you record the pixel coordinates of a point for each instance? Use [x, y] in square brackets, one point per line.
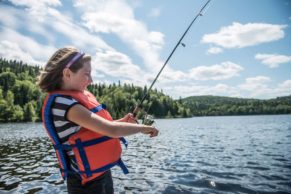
[61, 107]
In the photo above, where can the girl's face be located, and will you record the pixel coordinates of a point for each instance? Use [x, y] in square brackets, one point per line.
[82, 78]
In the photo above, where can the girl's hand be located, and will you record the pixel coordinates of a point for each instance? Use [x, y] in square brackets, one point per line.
[150, 130]
[129, 118]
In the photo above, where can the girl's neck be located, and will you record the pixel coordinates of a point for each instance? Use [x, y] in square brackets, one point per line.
[65, 87]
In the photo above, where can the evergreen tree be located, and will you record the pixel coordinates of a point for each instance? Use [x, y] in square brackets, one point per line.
[7, 80]
[29, 112]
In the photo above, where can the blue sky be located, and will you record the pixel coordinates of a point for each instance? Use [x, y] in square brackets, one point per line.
[238, 48]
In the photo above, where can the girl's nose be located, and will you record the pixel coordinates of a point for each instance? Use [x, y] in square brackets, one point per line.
[90, 79]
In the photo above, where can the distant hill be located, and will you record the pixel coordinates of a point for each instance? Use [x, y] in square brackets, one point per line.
[220, 105]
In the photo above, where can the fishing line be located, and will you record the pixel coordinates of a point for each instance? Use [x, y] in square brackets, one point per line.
[138, 106]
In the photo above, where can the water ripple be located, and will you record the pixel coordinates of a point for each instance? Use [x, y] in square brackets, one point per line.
[196, 155]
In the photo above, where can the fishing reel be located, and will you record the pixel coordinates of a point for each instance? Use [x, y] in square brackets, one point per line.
[148, 120]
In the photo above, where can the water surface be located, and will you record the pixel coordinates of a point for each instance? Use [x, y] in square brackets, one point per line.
[238, 154]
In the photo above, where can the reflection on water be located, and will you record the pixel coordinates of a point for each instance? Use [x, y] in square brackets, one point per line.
[28, 163]
[250, 154]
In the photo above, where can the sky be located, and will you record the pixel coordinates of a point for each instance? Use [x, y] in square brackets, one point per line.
[236, 48]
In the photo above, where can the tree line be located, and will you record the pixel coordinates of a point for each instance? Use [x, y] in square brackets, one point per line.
[218, 106]
[21, 99]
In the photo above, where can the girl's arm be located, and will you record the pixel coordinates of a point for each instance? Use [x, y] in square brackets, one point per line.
[85, 118]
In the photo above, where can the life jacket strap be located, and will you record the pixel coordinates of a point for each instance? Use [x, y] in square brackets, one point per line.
[95, 141]
[98, 108]
[123, 140]
[63, 147]
[84, 158]
[88, 143]
[69, 147]
[119, 162]
[52, 132]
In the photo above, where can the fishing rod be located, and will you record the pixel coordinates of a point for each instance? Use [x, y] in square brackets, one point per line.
[138, 106]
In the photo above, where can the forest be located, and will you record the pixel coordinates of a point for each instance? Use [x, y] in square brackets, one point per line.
[21, 99]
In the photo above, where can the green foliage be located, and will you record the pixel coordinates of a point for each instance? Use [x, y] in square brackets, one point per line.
[7, 80]
[25, 91]
[121, 99]
[216, 106]
[17, 114]
[29, 111]
[21, 99]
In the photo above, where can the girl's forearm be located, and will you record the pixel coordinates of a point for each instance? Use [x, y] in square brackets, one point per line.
[124, 129]
[83, 117]
[117, 129]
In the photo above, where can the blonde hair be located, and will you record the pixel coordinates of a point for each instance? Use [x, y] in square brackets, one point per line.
[50, 78]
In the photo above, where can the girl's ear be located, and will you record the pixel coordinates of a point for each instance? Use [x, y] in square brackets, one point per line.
[66, 73]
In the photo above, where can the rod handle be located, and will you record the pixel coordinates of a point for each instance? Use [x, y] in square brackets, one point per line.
[135, 111]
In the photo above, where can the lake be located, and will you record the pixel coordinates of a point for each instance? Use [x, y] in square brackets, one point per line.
[235, 154]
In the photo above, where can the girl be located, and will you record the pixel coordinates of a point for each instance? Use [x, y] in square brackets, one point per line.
[84, 136]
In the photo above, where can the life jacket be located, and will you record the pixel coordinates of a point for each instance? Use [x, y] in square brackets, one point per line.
[94, 153]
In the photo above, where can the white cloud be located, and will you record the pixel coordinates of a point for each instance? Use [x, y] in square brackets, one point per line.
[25, 45]
[36, 4]
[169, 75]
[8, 17]
[258, 80]
[260, 87]
[242, 35]
[221, 71]
[117, 65]
[154, 12]
[77, 35]
[37, 8]
[255, 83]
[273, 60]
[11, 50]
[192, 89]
[254, 87]
[214, 50]
[63, 27]
[283, 88]
[285, 84]
[107, 18]
[18, 19]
